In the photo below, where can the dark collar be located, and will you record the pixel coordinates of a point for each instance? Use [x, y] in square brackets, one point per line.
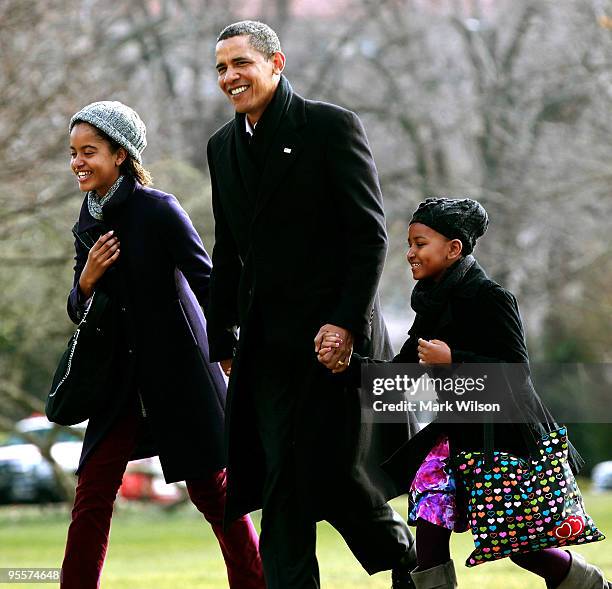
[283, 151]
[111, 209]
[271, 117]
[295, 117]
[474, 278]
[430, 325]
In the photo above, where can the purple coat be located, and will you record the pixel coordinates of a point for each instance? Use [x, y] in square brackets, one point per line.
[159, 286]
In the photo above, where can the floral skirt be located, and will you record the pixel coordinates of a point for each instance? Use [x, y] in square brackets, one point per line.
[433, 493]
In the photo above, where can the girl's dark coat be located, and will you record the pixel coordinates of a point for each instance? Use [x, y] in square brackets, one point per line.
[481, 324]
[158, 286]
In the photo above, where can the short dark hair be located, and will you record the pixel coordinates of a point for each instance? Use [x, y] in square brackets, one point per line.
[261, 36]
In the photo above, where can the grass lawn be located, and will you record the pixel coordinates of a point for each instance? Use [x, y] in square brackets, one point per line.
[152, 548]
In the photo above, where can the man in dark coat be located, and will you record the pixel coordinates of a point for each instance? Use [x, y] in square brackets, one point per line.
[300, 243]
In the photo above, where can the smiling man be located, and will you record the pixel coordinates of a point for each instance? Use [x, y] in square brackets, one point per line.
[248, 75]
[300, 244]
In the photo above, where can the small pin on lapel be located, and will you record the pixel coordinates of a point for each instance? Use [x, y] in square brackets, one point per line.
[287, 150]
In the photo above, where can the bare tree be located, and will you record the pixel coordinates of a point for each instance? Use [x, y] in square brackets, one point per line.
[504, 101]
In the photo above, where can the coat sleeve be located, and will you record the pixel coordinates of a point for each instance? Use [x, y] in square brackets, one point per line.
[186, 249]
[76, 300]
[503, 337]
[222, 315]
[354, 182]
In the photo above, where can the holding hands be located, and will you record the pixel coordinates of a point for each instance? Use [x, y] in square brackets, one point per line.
[226, 366]
[334, 346]
[434, 351]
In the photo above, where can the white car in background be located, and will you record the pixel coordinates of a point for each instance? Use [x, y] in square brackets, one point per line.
[26, 477]
[601, 476]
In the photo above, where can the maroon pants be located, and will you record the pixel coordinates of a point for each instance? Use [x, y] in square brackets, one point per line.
[96, 490]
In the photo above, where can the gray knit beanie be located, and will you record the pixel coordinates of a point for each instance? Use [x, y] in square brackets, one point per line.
[118, 121]
[455, 218]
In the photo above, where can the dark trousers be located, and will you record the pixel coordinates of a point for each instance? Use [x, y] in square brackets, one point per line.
[377, 537]
[96, 490]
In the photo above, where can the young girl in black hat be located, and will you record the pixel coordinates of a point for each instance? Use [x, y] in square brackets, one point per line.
[461, 316]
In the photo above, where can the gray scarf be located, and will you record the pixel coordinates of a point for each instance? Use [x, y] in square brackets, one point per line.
[95, 203]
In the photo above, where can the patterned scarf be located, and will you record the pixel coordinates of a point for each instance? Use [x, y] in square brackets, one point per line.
[95, 202]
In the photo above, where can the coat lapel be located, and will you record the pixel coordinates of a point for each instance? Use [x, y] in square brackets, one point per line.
[86, 221]
[244, 159]
[88, 229]
[284, 149]
[231, 178]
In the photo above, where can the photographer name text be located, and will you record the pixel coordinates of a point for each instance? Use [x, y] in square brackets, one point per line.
[437, 406]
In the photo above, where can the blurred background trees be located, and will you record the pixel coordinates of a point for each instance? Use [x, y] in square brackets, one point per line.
[506, 101]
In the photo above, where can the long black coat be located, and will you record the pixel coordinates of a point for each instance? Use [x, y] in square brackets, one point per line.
[481, 325]
[306, 249]
[158, 286]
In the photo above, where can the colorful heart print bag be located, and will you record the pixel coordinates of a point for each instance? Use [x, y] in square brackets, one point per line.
[517, 505]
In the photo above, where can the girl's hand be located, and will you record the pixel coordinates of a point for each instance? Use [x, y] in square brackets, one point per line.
[328, 343]
[103, 254]
[434, 351]
[226, 366]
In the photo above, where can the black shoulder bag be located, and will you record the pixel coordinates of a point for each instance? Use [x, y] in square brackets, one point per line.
[83, 379]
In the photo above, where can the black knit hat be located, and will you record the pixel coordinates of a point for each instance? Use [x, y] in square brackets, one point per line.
[455, 218]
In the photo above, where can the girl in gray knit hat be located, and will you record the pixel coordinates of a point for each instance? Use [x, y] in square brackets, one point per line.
[139, 247]
[112, 138]
[462, 316]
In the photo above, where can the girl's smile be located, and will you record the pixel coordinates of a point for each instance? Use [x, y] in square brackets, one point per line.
[92, 160]
[83, 176]
[430, 253]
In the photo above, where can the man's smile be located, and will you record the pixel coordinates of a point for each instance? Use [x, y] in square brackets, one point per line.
[238, 90]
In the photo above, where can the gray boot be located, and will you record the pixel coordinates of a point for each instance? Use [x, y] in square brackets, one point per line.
[583, 575]
[440, 577]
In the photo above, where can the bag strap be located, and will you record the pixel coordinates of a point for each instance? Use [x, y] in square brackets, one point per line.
[489, 444]
[531, 440]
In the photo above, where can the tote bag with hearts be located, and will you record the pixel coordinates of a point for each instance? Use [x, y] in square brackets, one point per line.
[519, 505]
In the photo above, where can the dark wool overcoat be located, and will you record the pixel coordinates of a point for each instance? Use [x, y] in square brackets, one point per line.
[158, 287]
[301, 246]
[481, 325]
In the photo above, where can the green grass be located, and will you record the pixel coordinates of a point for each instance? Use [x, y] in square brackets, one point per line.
[152, 548]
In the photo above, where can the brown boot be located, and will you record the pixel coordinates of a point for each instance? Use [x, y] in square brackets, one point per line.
[583, 575]
[439, 577]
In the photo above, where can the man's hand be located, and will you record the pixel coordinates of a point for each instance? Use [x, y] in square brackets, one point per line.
[226, 366]
[336, 357]
[434, 351]
[102, 255]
